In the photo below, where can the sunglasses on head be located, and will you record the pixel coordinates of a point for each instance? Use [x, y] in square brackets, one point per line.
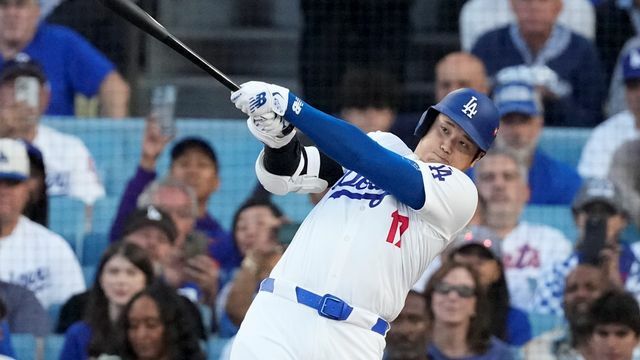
[463, 291]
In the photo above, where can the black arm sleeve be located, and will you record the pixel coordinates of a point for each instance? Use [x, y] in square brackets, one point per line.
[284, 162]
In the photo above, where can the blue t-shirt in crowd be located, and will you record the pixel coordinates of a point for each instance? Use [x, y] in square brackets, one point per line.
[518, 327]
[72, 65]
[497, 351]
[76, 342]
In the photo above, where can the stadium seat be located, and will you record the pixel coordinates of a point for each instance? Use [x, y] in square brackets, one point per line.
[53, 346]
[215, 345]
[24, 346]
[53, 313]
[564, 144]
[89, 274]
[66, 217]
[93, 245]
[104, 211]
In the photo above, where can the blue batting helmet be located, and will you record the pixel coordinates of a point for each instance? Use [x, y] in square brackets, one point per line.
[474, 112]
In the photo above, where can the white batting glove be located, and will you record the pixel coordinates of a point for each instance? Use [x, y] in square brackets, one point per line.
[257, 98]
[270, 129]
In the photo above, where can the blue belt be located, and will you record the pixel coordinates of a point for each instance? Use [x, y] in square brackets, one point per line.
[328, 306]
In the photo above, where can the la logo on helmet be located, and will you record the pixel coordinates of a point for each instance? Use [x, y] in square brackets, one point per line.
[470, 108]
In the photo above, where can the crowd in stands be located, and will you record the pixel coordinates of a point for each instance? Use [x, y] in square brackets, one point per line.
[171, 276]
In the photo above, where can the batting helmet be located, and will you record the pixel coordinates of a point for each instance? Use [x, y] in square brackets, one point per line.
[474, 112]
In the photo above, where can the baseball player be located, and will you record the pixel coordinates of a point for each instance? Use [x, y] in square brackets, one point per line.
[388, 211]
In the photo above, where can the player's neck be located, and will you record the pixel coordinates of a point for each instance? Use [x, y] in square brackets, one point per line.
[9, 49]
[451, 340]
[7, 227]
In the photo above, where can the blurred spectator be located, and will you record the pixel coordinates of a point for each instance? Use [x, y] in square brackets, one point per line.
[154, 232]
[616, 22]
[124, 270]
[255, 231]
[24, 313]
[615, 326]
[458, 70]
[195, 163]
[111, 35]
[407, 338]
[521, 122]
[481, 16]
[30, 254]
[616, 100]
[583, 285]
[156, 325]
[338, 35]
[458, 319]
[625, 173]
[598, 202]
[608, 136]
[71, 64]
[507, 323]
[6, 348]
[37, 208]
[70, 166]
[563, 64]
[527, 249]
[370, 99]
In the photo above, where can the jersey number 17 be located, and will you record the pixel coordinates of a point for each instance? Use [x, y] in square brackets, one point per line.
[399, 221]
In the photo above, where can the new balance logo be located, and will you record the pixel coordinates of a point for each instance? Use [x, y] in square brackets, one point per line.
[297, 106]
[470, 108]
[440, 172]
[257, 101]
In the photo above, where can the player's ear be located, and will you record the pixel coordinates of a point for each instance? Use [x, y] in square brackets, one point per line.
[478, 157]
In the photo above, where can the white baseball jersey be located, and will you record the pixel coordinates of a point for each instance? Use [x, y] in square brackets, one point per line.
[527, 251]
[69, 165]
[605, 138]
[42, 261]
[364, 246]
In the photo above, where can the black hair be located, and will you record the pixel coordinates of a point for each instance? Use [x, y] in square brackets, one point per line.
[362, 88]
[180, 333]
[194, 142]
[497, 292]
[97, 311]
[253, 202]
[37, 208]
[616, 307]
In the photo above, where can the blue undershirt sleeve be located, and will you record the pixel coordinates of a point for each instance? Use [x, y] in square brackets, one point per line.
[354, 150]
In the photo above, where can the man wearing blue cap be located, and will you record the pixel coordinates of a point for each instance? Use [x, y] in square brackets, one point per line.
[608, 136]
[521, 122]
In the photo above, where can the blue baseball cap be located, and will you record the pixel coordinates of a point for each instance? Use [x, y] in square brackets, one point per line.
[631, 65]
[518, 98]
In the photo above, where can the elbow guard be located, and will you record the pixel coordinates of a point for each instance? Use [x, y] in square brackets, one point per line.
[298, 182]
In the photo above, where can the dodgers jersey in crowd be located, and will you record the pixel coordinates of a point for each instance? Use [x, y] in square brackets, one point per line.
[42, 261]
[364, 246]
[69, 165]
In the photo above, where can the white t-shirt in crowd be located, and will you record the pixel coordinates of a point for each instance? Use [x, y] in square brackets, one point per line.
[604, 140]
[69, 165]
[42, 261]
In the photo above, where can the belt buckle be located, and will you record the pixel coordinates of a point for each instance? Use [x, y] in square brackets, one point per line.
[331, 307]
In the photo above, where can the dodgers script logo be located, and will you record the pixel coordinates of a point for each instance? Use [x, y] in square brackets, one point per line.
[357, 187]
[471, 107]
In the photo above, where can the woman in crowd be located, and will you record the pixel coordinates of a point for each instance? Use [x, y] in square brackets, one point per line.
[508, 324]
[123, 271]
[458, 317]
[255, 232]
[155, 326]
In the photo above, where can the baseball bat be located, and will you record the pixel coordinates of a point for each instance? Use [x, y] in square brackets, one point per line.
[145, 22]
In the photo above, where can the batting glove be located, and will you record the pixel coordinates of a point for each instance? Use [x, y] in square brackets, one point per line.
[271, 129]
[256, 98]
